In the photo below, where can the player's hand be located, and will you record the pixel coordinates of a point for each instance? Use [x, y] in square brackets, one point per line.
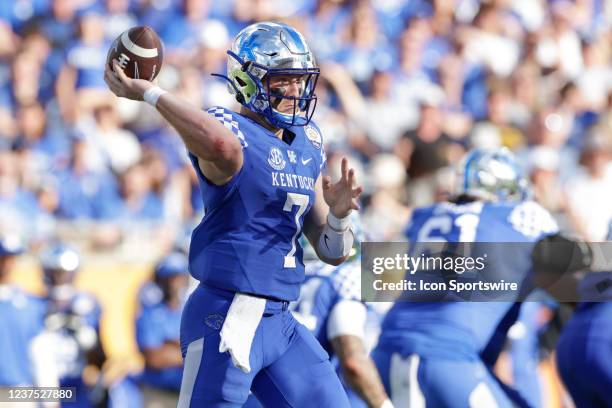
[123, 86]
[342, 196]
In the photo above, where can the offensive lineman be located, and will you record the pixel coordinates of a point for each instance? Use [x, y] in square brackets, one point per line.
[330, 307]
[259, 171]
[439, 354]
[584, 350]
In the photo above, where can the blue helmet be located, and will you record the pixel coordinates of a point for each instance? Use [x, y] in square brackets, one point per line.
[492, 175]
[176, 263]
[59, 263]
[262, 51]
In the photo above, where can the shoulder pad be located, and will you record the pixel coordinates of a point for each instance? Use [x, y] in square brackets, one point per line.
[532, 220]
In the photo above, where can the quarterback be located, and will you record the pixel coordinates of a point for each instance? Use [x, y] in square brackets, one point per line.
[260, 175]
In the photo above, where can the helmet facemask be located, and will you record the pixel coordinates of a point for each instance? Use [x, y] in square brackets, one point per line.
[251, 83]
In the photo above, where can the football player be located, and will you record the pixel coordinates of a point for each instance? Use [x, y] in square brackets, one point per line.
[433, 354]
[584, 350]
[71, 327]
[158, 329]
[21, 317]
[260, 174]
[330, 307]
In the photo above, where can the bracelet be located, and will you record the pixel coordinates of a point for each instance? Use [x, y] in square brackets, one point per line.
[338, 224]
[151, 95]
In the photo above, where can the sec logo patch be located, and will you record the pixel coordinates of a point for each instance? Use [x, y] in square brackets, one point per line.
[276, 159]
[313, 135]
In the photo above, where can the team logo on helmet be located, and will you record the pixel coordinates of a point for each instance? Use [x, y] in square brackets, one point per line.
[313, 135]
[276, 159]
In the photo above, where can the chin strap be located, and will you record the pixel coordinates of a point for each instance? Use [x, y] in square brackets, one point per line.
[239, 96]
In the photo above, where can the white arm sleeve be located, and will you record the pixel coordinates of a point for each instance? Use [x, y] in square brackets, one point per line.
[348, 317]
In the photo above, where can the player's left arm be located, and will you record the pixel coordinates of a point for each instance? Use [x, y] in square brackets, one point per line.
[327, 226]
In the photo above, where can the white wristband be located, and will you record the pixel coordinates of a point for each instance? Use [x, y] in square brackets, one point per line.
[338, 224]
[387, 404]
[152, 95]
[334, 244]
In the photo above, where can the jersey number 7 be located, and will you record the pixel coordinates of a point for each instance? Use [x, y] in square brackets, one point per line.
[301, 200]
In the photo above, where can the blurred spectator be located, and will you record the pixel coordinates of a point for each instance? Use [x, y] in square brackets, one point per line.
[493, 39]
[589, 195]
[574, 111]
[39, 46]
[543, 165]
[157, 330]
[325, 26]
[422, 149]
[387, 119]
[181, 32]
[118, 18]
[595, 80]
[19, 209]
[365, 49]
[26, 71]
[119, 145]
[137, 201]
[386, 213]
[213, 44]
[498, 126]
[58, 26]
[84, 193]
[80, 85]
[49, 149]
[171, 189]
[559, 46]
[155, 13]
[411, 78]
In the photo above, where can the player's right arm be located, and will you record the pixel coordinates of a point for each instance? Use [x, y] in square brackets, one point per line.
[360, 371]
[218, 151]
[168, 355]
[347, 338]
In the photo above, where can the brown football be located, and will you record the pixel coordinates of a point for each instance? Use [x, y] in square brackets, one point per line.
[138, 51]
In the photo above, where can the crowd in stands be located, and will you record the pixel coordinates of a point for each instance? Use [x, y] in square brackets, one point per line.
[406, 88]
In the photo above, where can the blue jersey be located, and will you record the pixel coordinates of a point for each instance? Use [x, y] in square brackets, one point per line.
[158, 324]
[248, 239]
[329, 306]
[584, 350]
[73, 324]
[21, 317]
[462, 330]
[584, 355]
[325, 287]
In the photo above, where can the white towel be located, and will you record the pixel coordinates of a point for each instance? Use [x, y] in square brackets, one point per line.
[239, 328]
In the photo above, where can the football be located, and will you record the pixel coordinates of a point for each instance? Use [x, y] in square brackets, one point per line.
[138, 51]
